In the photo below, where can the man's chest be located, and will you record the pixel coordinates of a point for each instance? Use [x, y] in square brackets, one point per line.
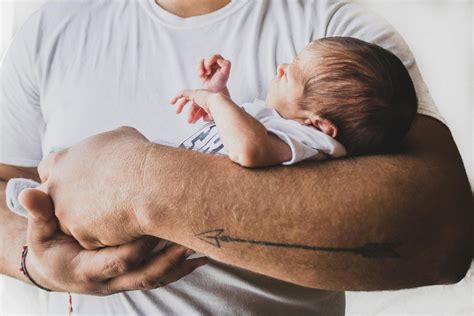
[88, 101]
[126, 80]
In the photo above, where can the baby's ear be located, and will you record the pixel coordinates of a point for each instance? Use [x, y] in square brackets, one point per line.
[324, 125]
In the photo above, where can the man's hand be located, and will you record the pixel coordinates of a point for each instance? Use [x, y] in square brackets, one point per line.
[95, 186]
[58, 262]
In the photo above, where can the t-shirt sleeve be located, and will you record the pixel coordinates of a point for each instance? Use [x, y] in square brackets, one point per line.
[305, 142]
[355, 20]
[21, 121]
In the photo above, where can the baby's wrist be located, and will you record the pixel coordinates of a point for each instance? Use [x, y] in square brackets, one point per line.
[214, 99]
[215, 89]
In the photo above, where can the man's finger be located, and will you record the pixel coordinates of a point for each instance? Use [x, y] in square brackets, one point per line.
[110, 262]
[42, 224]
[143, 281]
[151, 272]
[45, 166]
[44, 188]
[182, 269]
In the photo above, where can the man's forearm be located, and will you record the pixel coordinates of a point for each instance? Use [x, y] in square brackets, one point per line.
[12, 239]
[368, 223]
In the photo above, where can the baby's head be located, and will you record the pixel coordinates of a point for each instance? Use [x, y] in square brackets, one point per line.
[356, 92]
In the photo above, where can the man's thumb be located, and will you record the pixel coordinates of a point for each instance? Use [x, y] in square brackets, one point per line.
[42, 222]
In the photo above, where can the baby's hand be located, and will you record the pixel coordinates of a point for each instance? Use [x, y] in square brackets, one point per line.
[199, 103]
[214, 72]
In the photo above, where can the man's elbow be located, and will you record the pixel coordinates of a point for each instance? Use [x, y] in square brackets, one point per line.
[459, 249]
[456, 269]
[462, 255]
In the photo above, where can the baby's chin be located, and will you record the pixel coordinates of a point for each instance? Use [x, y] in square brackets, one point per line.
[268, 102]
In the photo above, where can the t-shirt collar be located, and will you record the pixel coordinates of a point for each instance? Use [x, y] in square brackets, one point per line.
[175, 21]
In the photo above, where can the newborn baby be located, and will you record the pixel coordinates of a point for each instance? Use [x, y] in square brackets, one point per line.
[340, 96]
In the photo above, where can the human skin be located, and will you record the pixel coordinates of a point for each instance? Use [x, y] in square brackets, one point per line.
[419, 196]
[60, 274]
[67, 265]
[417, 200]
[246, 140]
[244, 137]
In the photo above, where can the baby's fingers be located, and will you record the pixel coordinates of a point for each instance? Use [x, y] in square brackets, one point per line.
[192, 113]
[210, 62]
[181, 104]
[198, 114]
[224, 64]
[182, 94]
[185, 96]
[175, 99]
[207, 117]
[201, 69]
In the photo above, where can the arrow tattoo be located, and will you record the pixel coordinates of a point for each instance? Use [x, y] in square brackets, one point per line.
[370, 250]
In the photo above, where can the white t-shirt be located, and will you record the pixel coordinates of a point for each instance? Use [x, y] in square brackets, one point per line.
[78, 68]
[306, 143]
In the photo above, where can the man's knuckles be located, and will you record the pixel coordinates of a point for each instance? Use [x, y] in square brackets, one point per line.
[149, 283]
[118, 266]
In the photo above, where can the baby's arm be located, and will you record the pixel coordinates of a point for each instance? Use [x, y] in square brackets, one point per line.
[244, 137]
[214, 72]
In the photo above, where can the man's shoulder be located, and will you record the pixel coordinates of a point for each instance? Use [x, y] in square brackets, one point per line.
[54, 10]
[62, 23]
[55, 15]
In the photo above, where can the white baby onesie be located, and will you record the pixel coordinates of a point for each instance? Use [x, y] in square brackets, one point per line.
[305, 142]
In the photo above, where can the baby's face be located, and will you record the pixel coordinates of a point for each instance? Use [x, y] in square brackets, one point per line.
[284, 91]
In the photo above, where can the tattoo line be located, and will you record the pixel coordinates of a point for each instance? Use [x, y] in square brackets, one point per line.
[369, 250]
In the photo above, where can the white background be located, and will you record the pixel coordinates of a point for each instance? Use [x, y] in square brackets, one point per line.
[441, 36]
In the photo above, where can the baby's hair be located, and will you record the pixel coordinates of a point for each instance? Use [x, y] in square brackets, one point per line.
[365, 90]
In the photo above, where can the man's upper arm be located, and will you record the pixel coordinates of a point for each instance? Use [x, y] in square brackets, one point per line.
[21, 120]
[432, 158]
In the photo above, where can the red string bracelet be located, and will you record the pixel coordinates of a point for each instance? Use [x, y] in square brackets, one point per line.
[70, 303]
[23, 269]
